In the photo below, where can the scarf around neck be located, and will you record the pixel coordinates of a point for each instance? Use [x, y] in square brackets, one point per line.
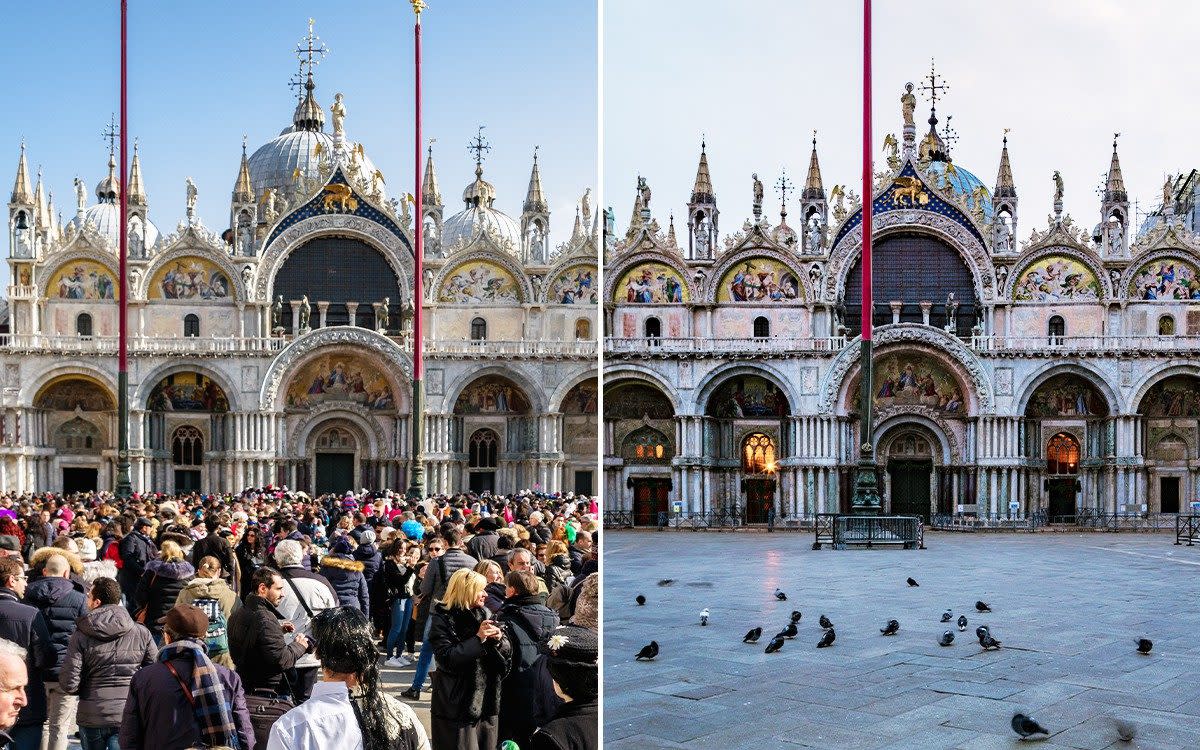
[212, 709]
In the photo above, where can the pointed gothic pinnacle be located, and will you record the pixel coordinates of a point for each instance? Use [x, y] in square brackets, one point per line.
[21, 192]
[430, 194]
[137, 193]
[577, 230]
[813, 188]
[1114, 189]
[40, 210]
[242, 190]
[535, 200]
[671, 241]
[702, 190]
[1005, 188]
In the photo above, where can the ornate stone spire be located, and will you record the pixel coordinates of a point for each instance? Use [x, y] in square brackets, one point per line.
[1114, 188]
[1004, 179]
[41, 210]
[535, 200]
[137, 193]
[52, 222]
[813, 188]
[109, 188]
[702, 191]
[577, 230]
[242, 191]
[430, 194]
[671, 241]
[21, 192]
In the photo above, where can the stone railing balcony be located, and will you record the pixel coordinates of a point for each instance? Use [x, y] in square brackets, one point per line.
[1095, 346]
[530, 349]
[655, 346]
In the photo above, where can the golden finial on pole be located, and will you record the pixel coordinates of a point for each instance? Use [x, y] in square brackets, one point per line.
[418, 6]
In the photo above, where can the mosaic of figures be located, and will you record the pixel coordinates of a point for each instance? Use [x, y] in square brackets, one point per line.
[188, 391]
[71, 393]
[759, 280]
[82, 279]
[1067, 395]
[1168, 278]
[339, 377]
[582, 399]
[651, 283]
[748, 396]
[1056, 278]
[190, 278]
[913, 379]
[632, 400]
[492, 395]
[575, 286]
[478, 282]
[1176, 396]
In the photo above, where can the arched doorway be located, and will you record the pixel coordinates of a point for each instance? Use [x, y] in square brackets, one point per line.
[758, 472]
[482, 460]
[1170, 411]
[187, 456]
[639, 420]
[77, 411]
[1062, 474]
[910, 472]
[335, 455]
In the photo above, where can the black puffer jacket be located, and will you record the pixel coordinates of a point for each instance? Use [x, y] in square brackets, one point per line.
[258, 646]
[369, 556]
[24, 626]
[527, 698]
[160, 587]
[346, 577]
[61, 602]
[104, 652]
[469, 671]
[558, 572]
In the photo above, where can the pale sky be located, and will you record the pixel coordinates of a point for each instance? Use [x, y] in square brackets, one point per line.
[757, 78]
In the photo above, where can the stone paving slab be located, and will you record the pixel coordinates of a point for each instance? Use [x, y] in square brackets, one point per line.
[1067, 608]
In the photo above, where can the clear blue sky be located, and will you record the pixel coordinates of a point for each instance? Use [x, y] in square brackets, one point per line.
[202, 74]
[757, 78]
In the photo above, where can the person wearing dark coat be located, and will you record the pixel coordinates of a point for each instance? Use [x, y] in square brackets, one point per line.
[473, 656]
[256, 637]
[345, 574]
[158, 714]
[558, 566]
[104, 652]
[482, 546]
[160, 586]
[251, 555]
[539, 533]
[137, 550]
[25, 626]
[368, 554]
[217, 546]
[61, 602]
[525, 701]
[572, 654]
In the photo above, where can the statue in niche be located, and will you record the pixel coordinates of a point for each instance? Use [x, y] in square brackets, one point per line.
[814, 234]
[1001, 235]
[951, 312]
[305, 315]
[702, 236]
[247, 276]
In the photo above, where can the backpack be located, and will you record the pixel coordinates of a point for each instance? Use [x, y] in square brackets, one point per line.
[559, 601]
[217, 638]
[531, 671]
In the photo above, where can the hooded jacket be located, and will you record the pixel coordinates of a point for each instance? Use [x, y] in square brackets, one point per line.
[346, 577]
[527, 699]
[24, 626]
[105, 650]
[160, 587]
[368, 554]
[61, 602]
[228, 602]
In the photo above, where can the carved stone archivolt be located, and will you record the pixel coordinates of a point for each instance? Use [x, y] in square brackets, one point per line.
[394, 251]
[340, 414]
[962, 358]
[371, 342]
[891, 423]
[973, 252]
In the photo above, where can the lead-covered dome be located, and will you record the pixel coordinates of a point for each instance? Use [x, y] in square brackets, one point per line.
[955, 178]
[480, 217]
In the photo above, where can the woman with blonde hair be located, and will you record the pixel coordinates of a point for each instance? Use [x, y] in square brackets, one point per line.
[558, 564]
[161, 585]
[473, 656]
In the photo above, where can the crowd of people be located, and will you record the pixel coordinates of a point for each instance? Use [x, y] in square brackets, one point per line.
[268, 617]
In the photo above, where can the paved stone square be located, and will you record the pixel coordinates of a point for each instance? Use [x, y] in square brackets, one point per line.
[1067, 608]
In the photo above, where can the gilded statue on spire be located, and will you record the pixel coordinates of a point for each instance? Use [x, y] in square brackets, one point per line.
[892, 149]
[908, 105]
[338, 112]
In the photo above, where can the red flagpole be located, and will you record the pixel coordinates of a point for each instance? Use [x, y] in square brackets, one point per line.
[416, 487]
[868, 306]
[123, 487]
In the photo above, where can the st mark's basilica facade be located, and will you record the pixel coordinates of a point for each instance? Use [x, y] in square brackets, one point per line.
[279, 350]
[1057, 374]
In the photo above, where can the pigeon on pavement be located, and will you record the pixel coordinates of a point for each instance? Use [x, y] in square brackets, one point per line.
[641, 600]
[753, 635]
[982, 607]
[796, 615]
[947, 638]
[947, 616]
[913, 582]
[775, 644]
[704, 616]
[825, 623]
[780, 595]
[648, 652]
[827, 639]
[986, 640]
[962, 623]
[666, 581]
[1026, 726]
[789, 631]
[1144, 645]
[1126, 730]
[891, 627]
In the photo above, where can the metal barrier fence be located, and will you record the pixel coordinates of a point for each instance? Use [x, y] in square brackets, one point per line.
[1187, 529]
[877, 531]
[1039, 521]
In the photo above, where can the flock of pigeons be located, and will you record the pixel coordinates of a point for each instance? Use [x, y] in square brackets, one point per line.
[1025, 726]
